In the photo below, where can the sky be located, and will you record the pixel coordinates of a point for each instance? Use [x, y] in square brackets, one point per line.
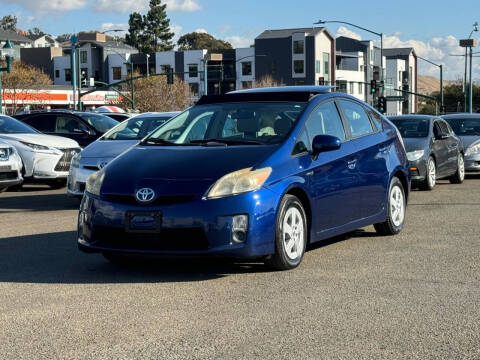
[433, 28]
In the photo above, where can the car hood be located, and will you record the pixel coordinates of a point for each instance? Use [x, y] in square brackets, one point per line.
[107, 148]
[468, 140]
[178, 170]
[42, 139]
[412, 144]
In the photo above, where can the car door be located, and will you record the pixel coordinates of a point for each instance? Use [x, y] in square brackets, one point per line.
[440, 150]
[333, 181]
[44, 123]
[71, 127]
[452, 147]
[372, 146]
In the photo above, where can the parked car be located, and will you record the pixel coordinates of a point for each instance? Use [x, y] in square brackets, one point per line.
[117, 116]
[83, 127]
[433, 150]
[467, 128]
[251, 174]
[10, 166]
[45, 158]
[118, 139]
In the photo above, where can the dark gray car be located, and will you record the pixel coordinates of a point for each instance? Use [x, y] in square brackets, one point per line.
[467, 128]
[433, 150]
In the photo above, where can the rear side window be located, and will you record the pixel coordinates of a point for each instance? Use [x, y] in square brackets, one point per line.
[377, 119]
[69, 125]
[325, 120]
[43, 123]
[357, 118]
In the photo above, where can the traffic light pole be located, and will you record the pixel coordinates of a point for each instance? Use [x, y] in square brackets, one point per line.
[440, 66]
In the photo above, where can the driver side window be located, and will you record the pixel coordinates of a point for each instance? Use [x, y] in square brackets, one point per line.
[325, 120]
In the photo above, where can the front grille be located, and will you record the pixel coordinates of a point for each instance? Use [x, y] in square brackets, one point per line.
[10, 175]
[160, 200]
[181, 239]
[64, 163]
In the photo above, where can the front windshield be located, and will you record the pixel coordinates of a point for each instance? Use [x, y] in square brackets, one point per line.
[101, 123]
[412, 128]
[465, 127]
[236, 123]
[10, 125]
[135, 128]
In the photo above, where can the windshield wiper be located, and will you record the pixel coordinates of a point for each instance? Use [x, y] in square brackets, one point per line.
[157, 141]
[214, 142]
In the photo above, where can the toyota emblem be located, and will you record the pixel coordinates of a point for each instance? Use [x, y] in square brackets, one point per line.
[145, 195]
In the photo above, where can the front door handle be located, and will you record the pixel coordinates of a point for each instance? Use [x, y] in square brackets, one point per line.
[351, 164]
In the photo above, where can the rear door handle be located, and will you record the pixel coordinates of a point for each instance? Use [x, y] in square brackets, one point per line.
[351, 164]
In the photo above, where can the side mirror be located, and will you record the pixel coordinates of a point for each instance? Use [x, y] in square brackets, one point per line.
[323, 143]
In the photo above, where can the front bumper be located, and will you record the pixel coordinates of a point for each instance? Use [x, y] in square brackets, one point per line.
[10, 171]
[77, 178]
[48, 166]
[472, 163]
[195, 228]
[418, 170]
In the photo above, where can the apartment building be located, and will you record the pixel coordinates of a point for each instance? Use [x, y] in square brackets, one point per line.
[350, 74]
[300, 56]
[16, 40]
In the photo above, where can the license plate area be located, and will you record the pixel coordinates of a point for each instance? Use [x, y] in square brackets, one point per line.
[5, 167]
[143, 221]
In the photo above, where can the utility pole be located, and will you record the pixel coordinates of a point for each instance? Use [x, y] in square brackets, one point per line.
[470, 90]
[8, 52]
[469, 43]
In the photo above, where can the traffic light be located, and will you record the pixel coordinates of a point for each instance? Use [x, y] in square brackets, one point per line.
[382, 104]
[373, 87]
[321, 80]
[170, 76]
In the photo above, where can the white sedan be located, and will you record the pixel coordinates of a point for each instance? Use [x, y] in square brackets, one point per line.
[10, 166]
[45, 158]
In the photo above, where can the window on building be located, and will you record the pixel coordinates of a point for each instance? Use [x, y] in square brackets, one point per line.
[371, 55]
[117, 73]
[400, 76]
[57, 73]
[193, 88]
[360, 88]
[298, 66]
[193, 70]
[68, 75]
[352, 89]
[83, 57]
[298, 46]
[326, 65]
[165, 68]
[246, 68]
[341, 85]
[247, 84]
[318, 66]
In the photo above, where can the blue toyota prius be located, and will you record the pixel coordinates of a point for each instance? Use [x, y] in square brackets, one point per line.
[253, 174]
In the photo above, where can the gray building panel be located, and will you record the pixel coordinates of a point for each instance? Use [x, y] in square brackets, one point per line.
[310, 60]
[277, 62]
[179, 60]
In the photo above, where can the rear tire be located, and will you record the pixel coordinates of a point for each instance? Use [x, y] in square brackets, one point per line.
[459, 175]
[291, 235]
[396, 208]
[430, 177]
[3, 189]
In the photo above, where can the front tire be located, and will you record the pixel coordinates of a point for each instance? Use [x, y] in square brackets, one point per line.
[291, 235]
[459, 175]
[430, 177]
[396, 209]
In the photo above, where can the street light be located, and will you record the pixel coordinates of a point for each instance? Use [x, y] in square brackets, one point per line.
[8, 52]
[441, 78]
[321, 22]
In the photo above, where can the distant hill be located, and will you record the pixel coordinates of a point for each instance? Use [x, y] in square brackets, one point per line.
[429, 84]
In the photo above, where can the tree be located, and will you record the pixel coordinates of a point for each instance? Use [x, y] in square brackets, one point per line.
[154, 94]
[267, 81]
[158, 27]
[36, 32]
[196, 41]
[8, 22]
[151, 32]
[23, 84]
[64, 38]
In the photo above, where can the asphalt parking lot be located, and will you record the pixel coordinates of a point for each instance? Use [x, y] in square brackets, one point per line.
[416, 295]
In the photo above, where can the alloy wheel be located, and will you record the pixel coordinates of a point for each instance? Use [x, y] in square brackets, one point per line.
[397, 206]
[432, 173]
[293, 233]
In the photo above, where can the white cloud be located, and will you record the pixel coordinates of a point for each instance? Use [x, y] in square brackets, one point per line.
[178, 31]
[201, 31]
[343, 31]
[127, 6]
[239, 41]
[48, 5]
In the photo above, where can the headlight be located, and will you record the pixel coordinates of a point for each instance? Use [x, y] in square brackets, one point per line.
[94, 182]
[4, 154]
[76, 160]
[238, 182]
[37, 147]
[473, 149]
[415, 155]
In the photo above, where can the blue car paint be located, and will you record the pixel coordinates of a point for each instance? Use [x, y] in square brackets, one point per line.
[340, 198]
